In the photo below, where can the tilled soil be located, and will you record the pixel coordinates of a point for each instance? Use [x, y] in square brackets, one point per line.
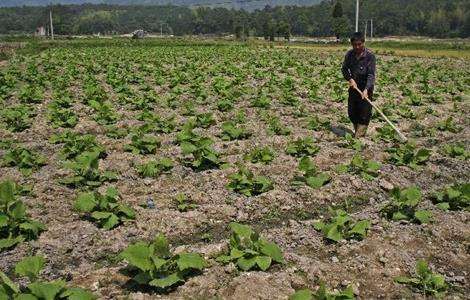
[87, 256]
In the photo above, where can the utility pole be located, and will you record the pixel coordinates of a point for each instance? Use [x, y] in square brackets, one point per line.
[52, 26]
[365, 29]
[371, 28]
[357, 15]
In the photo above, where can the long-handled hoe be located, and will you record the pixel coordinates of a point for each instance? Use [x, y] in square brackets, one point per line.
[401, 135]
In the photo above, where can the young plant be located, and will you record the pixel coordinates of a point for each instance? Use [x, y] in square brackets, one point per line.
[352, 143]
[455, 197]
[276, 127]
[425, 281]
[31, 94]
[154, 265]
[86, 172]
[31, 267]
[311, 176]
[231, 131]
[244, 182]
[104, 112]
[408, 155]
[449, 125]
[183, 203]
[15, 226]
[387, 134]
[104, 209]
[17, 118]
[315, 123]
[367, 169]
[205, 120]
[62, 116]
[456, 150]
[74, 144]
[249, 251]
[261, 101]
[302, 147]
[323, 294]
[342, 226]
[204, 157]
[261, 155]
[26, 160]
[155, 168]
[143, 144]
[403, 206]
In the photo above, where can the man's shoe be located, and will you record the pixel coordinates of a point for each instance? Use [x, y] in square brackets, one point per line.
[360, 131]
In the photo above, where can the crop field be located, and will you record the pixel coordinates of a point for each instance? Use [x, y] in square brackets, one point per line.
[218, 170]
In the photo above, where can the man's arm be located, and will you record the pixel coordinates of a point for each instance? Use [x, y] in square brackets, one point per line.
[347, 72]
[371, 74]
[345, 68]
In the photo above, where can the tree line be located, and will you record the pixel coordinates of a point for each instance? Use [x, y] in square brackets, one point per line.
[435, 18]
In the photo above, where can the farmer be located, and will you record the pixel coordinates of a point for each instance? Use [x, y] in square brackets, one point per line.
[359, 70]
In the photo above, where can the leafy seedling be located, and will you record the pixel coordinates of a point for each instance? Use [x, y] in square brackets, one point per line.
[104, 209]
[26, 160]
[342, 226]
[323, 294]
[15, 226]
[249, 251]
[408, 155]
[367, 169]
[246, 183]
[155, 266]
[261, 155]
[311, 176]
[403, 206]
[455, 197]
[183, 203]
[31, 267]
[155, 168]
[302, 147]
[425, 281]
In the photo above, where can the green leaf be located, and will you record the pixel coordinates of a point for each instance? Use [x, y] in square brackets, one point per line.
[166, 281]
[423, 216]
[129, 212]
[318, 181]
[272, 250]
[111, 222]
[46, 291]
[241, 230]
[397, 216]
[405, 280]
[190, 261]
[78, 294]
[7, 191]
[98, 215]
[443, 205]
[22, 297]
[360, 228]
[333, 233]
[18, 210]
[10, 242]
[138, 255]
[246, 263]
[86, 202]
[305, 294]
[162, 248]
[10, 284]
[30, 266]
[263, 262]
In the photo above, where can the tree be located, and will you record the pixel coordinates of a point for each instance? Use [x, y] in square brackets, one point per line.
[337, 10]
[283, 29]
[340, 24]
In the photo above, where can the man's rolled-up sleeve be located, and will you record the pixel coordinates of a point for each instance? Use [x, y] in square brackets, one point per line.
[371, 74]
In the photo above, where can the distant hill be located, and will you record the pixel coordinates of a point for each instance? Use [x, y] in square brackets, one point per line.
[237, 4]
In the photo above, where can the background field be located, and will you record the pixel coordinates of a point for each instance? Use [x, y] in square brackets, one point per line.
[154, 87]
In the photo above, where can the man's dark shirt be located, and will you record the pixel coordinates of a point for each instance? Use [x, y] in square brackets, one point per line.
[362, 70]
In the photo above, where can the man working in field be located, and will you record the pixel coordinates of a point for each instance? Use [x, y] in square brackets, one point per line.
[359, 70]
